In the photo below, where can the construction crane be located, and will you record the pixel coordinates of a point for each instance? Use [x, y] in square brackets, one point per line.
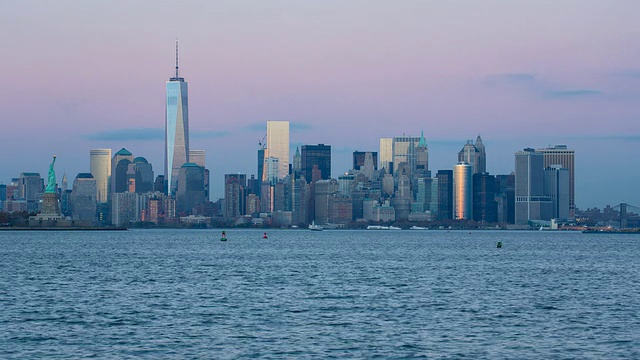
[261, 142]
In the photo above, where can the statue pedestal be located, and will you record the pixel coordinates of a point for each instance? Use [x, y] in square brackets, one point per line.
[50, 208]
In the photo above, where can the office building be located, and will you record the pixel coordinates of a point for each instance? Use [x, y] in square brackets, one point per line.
[474, 155]
[278, 145]
[360, 159]
[234, 195]
[176, 151]
[561, 155]
[445, 194]
[119, 166]
[485, 208]
[319, 156]
[557, 187]
[84, 197]
[100, 167]
[404, 151]
[140, 176]
[190, 192]
[386, 154]
[463, 195]
[530, 201]
[30, 189]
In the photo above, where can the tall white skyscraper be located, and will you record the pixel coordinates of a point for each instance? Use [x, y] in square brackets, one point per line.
[278, 145]
[386, 154]
[176, 152]
[100, 165]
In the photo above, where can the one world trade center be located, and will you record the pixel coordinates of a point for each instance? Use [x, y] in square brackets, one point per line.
[176, 151]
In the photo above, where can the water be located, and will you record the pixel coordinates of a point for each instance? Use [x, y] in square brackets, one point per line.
[331, 294]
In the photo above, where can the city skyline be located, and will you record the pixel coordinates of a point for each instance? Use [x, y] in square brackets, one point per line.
[574, 82]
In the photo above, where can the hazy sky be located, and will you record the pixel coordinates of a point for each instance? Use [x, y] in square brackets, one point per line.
[79, 75]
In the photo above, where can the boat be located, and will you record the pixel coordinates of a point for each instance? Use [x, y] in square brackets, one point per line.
[394, 228]
[314, 227]
[377, 227]
[417, 228]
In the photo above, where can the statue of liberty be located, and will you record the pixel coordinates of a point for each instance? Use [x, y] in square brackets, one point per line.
[51, 183]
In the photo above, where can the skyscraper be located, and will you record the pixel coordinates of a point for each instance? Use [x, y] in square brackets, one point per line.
[445, 194]
[278, 145]
[482, 156]
[119, 166]
[560, 155]
[100, 166]
[463, 191]
[234, 195]
[470, 155]
[386, 154]
[83, 197]
[556, 186]
[319, 155]
[531, 204]
[404, 151]
[176, 152]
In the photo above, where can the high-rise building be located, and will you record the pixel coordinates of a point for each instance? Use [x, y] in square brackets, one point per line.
[278, 145]
[482, 156]
[386, 154]
[463, 195]
[190, 193]
[531, 203]
[505, 195]
[260, 177]
[176, 152]
[556, 186]
[83, 197]
[234, 195]
[324, 190]
[422, 158]
[297, 163]
[140, 176]
[359, 159]
[198, 157]
[485, 208]
[100, 166]
[469, 154]
[560, 155]
[445, 194]
[30, 189]
[318, 155]
[405, 151]
[119, 166]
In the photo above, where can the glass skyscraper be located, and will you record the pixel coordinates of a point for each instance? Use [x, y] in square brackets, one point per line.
[278, 146]
[100, 164]
[176, 152]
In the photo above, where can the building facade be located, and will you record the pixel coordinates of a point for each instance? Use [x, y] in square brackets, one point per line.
[278, 145]
[463, 195]
[176, 149]
[100, 167]
[318, 155]
[561, 155]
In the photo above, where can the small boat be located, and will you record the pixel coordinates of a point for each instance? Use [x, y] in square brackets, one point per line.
[314, 227]
[418, 228]
[394, 228]
[377, 227]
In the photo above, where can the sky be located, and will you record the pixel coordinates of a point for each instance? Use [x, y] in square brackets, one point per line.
[79, 75]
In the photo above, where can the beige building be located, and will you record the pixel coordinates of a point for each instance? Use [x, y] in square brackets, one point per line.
[100, 167]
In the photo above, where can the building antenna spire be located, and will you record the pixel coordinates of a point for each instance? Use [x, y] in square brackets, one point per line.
[176, 58]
